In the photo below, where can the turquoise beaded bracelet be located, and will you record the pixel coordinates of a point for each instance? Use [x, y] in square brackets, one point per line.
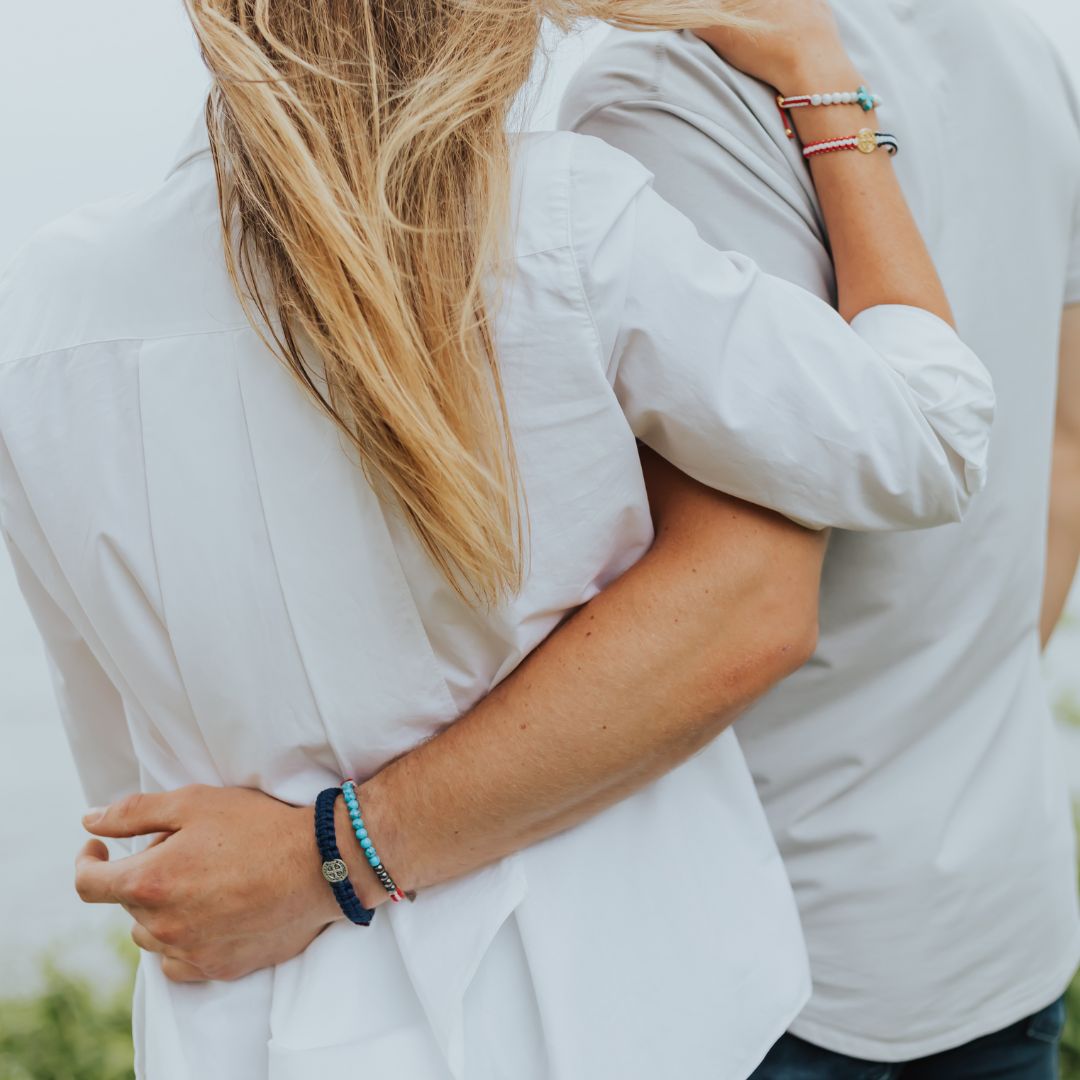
[348, 790]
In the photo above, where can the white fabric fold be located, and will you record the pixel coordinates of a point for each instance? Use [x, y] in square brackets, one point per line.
[954, 392]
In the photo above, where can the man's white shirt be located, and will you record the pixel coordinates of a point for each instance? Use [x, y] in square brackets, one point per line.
[909, 771]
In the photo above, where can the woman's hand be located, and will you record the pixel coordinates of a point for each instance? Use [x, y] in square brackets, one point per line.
[877, 249]
[230, 885]
[790, 42]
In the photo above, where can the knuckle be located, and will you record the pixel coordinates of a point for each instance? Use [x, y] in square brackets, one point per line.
[129, 805]
[168, 931]
[212, 969]
[183, 797]
[173, 971]
[191, 794]
[146, 889]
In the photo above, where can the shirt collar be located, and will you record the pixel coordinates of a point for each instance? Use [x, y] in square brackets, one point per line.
[194, 145]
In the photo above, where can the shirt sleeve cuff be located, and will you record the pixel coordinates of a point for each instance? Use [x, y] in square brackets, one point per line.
[954, 388]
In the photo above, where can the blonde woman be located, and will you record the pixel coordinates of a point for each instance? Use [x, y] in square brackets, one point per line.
[255, 577]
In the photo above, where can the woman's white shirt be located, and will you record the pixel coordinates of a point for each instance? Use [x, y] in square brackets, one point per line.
[224, 600]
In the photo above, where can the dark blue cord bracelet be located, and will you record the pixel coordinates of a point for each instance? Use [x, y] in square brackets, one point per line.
[333, 868]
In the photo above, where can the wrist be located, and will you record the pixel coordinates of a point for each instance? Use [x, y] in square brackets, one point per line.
[818, 125]
[364, 882]
[320, 903]
[818, 72]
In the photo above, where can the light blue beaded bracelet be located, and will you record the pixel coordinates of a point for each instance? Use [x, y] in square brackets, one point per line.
[352, 802]
[861, 97]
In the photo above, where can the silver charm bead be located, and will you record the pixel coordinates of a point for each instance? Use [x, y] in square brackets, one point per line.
[335, 870]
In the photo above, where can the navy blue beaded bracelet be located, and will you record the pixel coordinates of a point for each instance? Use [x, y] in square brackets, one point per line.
[333, 868]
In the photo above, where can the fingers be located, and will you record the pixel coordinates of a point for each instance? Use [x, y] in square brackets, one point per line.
[180, 971]
[173, 966]
[174, 962]
[95, 877]
[136, 815]
[135, 882]
[145, 940]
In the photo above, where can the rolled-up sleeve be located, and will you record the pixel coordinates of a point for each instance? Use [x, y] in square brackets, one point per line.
[757, 388]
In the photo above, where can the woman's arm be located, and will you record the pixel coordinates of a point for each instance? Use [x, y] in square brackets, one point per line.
[752, 385]
[878, 251]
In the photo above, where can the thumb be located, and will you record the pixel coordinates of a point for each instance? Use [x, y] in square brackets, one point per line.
[94, 851]
[135, 815]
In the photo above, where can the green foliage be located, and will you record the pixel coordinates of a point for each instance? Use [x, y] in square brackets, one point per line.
[69, 1031]
[1070, 1043]
[1068, 710]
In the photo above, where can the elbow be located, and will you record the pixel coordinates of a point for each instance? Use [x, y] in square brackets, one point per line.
[791, 640]
[802, 643]
[783, 644]
[778, 634]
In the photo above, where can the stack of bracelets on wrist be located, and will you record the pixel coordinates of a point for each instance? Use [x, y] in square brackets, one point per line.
[865, 141]
[348, 789]
[333, 868]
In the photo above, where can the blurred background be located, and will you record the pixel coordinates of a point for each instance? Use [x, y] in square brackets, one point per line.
[94, 100]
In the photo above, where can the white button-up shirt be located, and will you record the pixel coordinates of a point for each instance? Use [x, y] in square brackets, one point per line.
[224, 600]
[909, 771]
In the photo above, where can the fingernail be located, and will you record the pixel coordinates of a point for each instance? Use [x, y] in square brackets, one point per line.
[94, 815]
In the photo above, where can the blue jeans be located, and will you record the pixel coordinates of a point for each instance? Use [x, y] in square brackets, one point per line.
[1025, 1051]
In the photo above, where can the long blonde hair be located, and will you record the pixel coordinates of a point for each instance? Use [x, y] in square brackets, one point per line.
[363, 166]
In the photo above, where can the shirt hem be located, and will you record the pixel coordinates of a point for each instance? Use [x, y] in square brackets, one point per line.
[752, 1060]
[1037, 997]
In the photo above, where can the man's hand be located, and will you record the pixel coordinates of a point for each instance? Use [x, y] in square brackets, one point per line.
[721, 608]
[229, 885]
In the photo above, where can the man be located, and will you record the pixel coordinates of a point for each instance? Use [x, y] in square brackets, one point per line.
[908, 770]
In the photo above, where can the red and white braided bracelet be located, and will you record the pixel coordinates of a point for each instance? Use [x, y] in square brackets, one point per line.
[866, 142]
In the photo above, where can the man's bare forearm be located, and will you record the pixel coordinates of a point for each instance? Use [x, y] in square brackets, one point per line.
[722, 608]
[1063, 548]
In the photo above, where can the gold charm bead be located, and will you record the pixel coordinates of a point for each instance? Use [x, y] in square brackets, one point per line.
[867, 141]
[335, 870]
